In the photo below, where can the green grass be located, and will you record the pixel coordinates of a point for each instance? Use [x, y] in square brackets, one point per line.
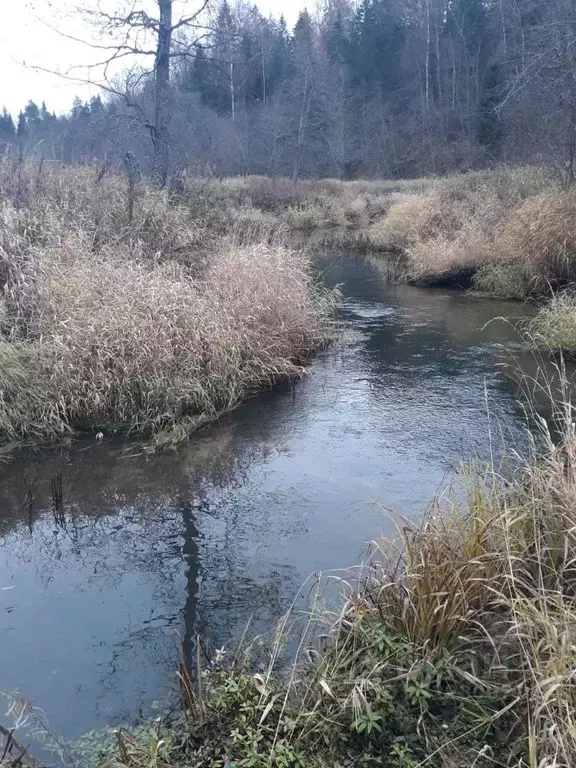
[554, 327]
[504, 280]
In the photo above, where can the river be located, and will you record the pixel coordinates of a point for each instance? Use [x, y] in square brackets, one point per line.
[95, 585]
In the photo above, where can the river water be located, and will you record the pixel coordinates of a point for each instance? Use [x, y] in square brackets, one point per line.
[93, 592]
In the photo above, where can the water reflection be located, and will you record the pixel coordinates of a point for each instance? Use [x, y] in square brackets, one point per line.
[228, 527]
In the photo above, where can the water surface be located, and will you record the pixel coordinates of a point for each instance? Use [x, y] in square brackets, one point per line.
[231, 525]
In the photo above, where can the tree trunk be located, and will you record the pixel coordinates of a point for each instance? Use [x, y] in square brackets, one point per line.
[427, 67]
[304, 109]
[161, 131]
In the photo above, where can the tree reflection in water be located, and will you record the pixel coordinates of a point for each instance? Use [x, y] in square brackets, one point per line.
[96, 599]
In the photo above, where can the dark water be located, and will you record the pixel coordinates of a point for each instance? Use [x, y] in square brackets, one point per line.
[231, 525]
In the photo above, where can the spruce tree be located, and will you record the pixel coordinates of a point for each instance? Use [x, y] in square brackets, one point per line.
[488, 125]
[7, 129]
[22, 128]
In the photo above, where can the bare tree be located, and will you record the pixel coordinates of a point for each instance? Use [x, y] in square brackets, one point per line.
[129, 34]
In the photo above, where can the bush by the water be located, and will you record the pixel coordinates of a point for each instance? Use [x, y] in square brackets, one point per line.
[131, 314]
[554, 327]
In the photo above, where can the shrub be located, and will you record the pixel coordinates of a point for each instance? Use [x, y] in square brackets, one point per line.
[554, 327]
[504, 279]
[541, 234]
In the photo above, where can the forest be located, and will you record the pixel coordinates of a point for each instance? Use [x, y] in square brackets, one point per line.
[379, 89]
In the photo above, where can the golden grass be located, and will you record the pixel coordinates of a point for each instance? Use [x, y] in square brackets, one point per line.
[443, 256]
[541, 234]
[477, 220]
[141, 324]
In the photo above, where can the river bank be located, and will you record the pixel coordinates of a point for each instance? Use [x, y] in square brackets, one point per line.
[506, 232]
[128, 309]
[453, 647]
[136, 552]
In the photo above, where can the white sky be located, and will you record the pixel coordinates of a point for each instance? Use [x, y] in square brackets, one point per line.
[27, 41]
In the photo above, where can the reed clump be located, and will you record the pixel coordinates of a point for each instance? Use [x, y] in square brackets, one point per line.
[491, 222]
[145, 322]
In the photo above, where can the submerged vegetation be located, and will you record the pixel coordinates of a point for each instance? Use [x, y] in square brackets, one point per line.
[454, 647]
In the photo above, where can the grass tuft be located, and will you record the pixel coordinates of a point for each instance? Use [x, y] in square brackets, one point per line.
[554, 327]
[143, 320]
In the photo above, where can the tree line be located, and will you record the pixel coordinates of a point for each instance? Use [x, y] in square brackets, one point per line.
[386, 88]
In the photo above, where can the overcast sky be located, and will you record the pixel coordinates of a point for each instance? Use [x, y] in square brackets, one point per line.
[27, 41]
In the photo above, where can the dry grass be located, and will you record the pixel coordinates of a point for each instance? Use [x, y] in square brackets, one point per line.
[465, 222]
[443, 257]
[554, 327]
[142, 324]
[335, 211]
[411, 220]
[541, 234]
[307, 219]
[490, 584]
[535, 248]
